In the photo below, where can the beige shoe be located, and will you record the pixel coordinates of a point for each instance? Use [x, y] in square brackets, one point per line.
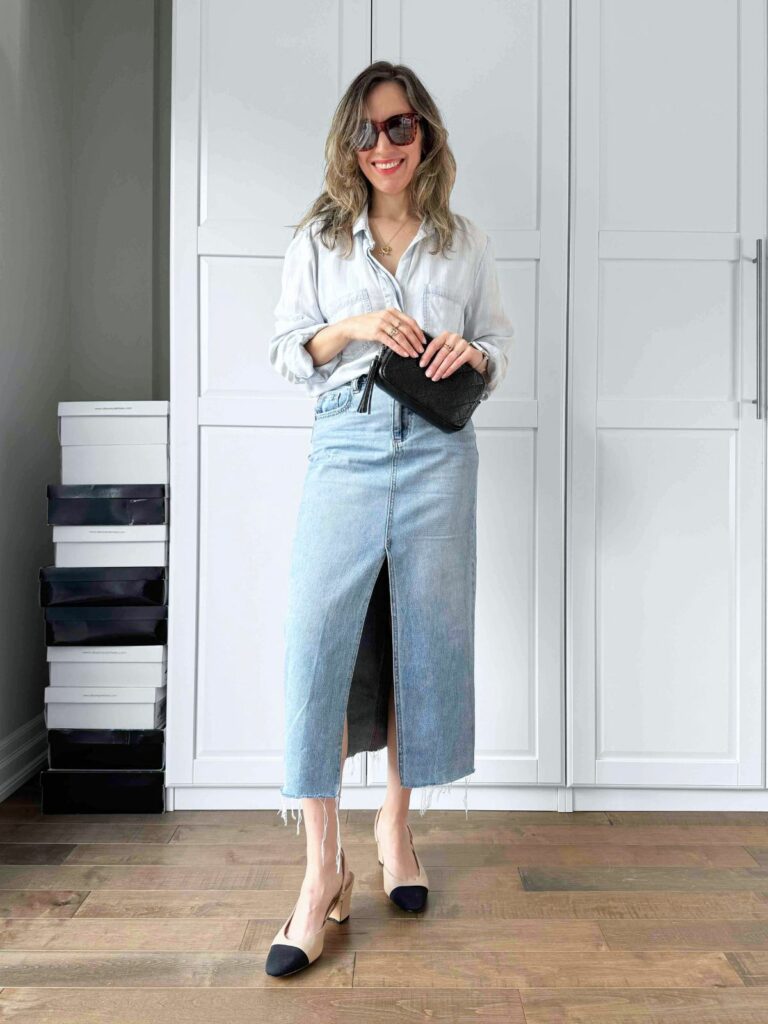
[407, 893]
[286, 956]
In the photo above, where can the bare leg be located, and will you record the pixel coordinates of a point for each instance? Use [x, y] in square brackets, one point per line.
[321, 882]
[393, 836]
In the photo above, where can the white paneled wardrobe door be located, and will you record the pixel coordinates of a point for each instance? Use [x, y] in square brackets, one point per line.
[499, 73]
[667, 470]
[254, 87]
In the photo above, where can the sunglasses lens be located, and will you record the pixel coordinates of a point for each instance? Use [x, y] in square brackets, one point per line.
[365, 136]
[401, 131]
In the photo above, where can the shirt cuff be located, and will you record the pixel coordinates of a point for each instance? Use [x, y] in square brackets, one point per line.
[302, 368]
[492, 370]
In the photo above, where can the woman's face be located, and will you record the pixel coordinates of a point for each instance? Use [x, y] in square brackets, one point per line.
[385, 100]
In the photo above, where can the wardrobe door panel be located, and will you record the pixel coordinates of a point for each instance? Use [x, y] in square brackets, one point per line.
[666, 473]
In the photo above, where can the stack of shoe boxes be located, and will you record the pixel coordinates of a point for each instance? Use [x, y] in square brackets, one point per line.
[105, 604]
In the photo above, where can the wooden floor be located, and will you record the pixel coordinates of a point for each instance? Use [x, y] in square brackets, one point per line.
[532, 917]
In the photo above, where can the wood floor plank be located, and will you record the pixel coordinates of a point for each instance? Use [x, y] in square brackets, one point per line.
[458, 833]
[64, 832]
[716, 935]
[646, 818]
[394, 934]
[239, 969]
[443, 906]
[36, 903]
[644, 1006]
[469, 854]
[543, 969]
[653, 835]
[277, 1002]
[485, 883]
[172, 936]
[760, 854]
[35, 853]
[482, 881]
[616, 878]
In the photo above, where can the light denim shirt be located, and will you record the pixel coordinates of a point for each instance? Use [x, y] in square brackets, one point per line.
[458, 293]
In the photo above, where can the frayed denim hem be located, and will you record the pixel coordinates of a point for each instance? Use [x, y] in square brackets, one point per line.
[296, 801]
[427, 794]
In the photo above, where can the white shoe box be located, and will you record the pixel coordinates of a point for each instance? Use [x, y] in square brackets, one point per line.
[104, 707]
[110, 545]
[113, 423]
[114, 442]
[114, 464]
[93, 665]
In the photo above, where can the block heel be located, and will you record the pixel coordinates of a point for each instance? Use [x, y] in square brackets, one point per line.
[340, 912]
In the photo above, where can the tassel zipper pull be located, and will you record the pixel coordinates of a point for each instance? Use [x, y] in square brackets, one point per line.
[365, 400]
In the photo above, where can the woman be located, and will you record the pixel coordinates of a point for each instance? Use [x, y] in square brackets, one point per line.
[388, 510]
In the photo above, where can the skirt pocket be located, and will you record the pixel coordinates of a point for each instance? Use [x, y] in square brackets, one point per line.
[333, 402]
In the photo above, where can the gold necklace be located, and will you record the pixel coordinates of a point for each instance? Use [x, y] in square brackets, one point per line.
[386, 247]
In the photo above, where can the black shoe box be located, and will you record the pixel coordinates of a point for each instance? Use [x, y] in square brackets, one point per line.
[106, 748]
[102, 791]
[68, 586]
[98, 624]
[106, 504]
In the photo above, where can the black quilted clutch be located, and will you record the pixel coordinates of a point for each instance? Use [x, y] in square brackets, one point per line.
[447, 403]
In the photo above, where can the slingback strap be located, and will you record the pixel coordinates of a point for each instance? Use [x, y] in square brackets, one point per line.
[365, 401]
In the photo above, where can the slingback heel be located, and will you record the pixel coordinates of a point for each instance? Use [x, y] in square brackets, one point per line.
[286, 955]
[407, 893]
[340, 912]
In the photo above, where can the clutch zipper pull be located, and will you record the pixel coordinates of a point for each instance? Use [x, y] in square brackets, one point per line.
[365, 401]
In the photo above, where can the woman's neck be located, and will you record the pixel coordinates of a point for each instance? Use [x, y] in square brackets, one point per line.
[392, 208]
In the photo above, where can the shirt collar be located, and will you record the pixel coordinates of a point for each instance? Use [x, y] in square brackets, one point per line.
[361, 224]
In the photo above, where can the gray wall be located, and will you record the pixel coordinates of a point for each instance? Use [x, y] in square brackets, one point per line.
[84, 128]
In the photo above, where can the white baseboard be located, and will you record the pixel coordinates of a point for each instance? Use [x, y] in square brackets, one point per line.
[22, 754]
[498, 798]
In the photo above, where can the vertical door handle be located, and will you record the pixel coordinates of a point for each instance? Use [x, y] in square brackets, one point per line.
[758, 261]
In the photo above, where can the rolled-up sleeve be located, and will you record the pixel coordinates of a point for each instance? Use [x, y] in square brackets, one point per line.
[297, 315]
[486, 322]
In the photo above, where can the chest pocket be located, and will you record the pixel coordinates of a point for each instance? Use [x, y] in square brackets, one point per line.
[338, 307]
[351, 304]
[441, 311]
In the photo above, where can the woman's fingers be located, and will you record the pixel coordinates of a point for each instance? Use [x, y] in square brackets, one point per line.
[409, 335]
[393, 342]
[407, 340]
[444, 360]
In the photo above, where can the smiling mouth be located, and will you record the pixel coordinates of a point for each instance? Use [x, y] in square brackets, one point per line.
[388, 169]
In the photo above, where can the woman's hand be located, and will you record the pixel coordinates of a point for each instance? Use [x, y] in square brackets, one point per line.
[446, 353]
[408, 341]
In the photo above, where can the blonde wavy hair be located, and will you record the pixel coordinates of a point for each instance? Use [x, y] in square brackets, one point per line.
[346, 190]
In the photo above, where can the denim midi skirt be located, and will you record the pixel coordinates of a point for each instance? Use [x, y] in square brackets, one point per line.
[387, 519]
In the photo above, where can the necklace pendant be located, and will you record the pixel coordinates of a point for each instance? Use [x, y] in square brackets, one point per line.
[386, 249]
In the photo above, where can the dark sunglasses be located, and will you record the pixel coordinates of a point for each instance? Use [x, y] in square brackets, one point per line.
[399, 129]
